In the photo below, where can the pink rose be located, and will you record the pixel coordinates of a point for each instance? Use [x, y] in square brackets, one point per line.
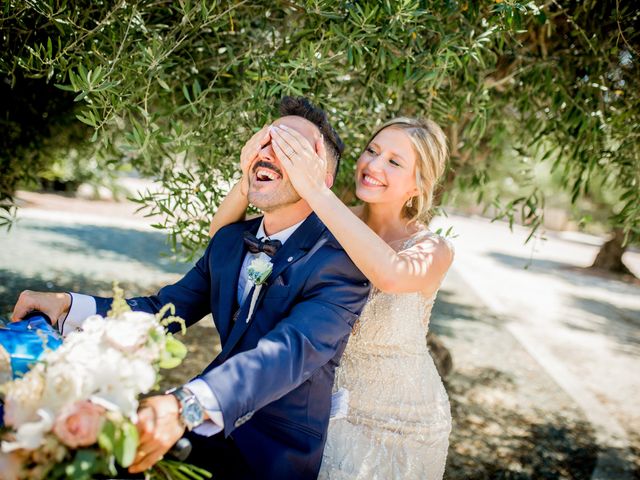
[78, 424]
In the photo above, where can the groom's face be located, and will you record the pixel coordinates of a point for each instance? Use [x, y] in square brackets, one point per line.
[269, 185]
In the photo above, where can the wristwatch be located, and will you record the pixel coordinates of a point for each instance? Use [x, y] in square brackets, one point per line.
[191, 412]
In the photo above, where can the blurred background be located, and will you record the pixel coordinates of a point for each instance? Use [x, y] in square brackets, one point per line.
[122, 124]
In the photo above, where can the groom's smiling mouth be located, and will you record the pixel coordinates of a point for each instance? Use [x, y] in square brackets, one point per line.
[266, 172]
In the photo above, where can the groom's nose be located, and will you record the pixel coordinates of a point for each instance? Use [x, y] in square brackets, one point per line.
[268, 154]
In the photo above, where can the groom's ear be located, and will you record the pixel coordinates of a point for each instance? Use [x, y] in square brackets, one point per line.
[328, 180]
[322, 152]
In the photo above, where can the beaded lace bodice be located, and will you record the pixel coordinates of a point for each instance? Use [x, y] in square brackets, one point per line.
[398, 419]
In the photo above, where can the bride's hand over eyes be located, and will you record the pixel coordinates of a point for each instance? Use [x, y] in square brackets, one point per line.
[249, 153]
[305, 165]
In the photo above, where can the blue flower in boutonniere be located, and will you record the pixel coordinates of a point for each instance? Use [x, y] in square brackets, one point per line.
[258, 272]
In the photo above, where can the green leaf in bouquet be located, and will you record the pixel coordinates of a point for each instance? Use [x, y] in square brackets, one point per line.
[175, 347]
[174, 353]
[167, 362]
[155, 336]
[83, 465]
[126, 444]
[107, 436]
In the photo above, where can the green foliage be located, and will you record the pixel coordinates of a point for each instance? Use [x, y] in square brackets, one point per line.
[175, 88]
[174, 353]
[172, 470]
[83, 465]
[125, 443]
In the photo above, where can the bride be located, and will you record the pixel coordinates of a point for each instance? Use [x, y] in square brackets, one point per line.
[395, 420]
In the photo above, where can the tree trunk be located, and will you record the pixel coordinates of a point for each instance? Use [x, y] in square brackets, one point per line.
[609, 257]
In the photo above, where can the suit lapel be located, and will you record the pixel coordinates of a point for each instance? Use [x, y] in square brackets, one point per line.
[229, 274]
[293, 249]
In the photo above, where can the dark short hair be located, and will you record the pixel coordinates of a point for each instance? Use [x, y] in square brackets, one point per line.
[302, 107]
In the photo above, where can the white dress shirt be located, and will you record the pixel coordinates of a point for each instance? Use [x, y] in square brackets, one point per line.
[83, 306]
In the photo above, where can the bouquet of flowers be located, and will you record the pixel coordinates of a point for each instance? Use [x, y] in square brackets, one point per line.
[73, 414]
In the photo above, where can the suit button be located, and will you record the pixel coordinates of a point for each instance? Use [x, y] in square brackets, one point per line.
[290, 259]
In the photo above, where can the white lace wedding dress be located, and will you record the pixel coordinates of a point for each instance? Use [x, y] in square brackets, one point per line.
[398, 420]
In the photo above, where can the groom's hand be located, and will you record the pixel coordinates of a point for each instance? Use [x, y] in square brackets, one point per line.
[54, 305]
[159, 428]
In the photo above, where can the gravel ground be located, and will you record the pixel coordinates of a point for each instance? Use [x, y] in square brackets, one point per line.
[511, 420]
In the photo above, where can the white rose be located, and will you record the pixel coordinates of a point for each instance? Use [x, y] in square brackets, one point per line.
[23, 397]
[143, 375]
[259, 270]
[31, 435]
[122, 379]
[64, 383]
[94, 325]
[130, 331]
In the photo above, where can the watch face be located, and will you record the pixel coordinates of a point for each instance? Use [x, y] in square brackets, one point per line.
[192, 414]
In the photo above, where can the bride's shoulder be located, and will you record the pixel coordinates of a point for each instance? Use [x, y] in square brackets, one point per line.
[434, 242]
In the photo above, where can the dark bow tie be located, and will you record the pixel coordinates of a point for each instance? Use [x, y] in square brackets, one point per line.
[255, 245]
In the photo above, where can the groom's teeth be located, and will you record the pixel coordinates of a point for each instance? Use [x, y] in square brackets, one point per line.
[266, 174]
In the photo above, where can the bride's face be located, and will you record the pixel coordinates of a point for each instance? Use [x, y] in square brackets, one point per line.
[386, 170]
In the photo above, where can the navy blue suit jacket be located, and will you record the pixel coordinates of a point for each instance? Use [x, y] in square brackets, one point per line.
[274, 376]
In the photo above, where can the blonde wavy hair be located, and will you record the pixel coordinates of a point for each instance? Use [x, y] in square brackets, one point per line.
[430, 145]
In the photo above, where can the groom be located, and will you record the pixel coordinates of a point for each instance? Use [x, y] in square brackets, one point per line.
[261, 408]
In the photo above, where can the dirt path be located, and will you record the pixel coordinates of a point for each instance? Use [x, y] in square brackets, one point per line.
[583, 330]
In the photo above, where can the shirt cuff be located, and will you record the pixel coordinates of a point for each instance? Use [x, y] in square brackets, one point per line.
[208, 400]
[82, 307]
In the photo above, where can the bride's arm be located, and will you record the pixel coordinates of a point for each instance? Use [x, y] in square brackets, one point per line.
[231, 210]
[420, 268]
[234, 206]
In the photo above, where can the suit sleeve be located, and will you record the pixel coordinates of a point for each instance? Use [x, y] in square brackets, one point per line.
[301, 343]
[190, 295]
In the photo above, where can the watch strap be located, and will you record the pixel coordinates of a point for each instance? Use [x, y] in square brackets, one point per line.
[186, 398]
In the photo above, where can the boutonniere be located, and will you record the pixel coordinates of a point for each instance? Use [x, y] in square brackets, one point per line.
[258, 272]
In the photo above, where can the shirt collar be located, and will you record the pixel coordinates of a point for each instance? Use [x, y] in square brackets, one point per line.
[282, 235]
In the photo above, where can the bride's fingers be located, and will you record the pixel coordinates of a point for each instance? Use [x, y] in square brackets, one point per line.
[284, 147]
[295, 138]
[281, 153]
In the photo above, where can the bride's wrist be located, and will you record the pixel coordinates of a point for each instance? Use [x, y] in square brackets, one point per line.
[319, 195]
[243, 187]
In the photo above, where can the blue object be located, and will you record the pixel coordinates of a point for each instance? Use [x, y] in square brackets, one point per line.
[22, 343]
